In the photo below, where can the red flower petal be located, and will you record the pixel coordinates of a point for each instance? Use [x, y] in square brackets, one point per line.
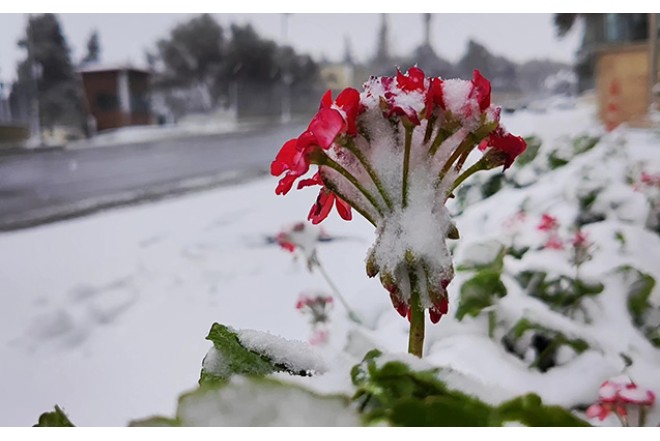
[412, 81]
[349, 101]
[314, 180]
[285, 184]
[326, 100]
[598, 411]
[284, 158]
[481, 88]
[343, 209]
[435, 96]
[322, 206]
[509, 144]
[325, 126]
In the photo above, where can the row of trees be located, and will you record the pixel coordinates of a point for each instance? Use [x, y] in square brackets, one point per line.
[47, 82]
[199, 66]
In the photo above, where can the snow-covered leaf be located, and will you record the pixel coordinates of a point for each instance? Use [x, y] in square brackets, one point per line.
[480, 292]
[262, 402]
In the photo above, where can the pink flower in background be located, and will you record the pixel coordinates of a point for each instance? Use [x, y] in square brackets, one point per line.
[548, 223]
[317, 307]
[554, 242]
[617, 395]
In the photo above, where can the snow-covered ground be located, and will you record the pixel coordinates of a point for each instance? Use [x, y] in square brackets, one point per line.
[106, 315]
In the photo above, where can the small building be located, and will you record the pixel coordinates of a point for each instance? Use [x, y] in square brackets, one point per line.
[116, 96]
[619, 56]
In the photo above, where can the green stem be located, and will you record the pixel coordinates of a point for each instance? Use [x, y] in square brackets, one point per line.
[641, 421]
[356, 207]
[342, 171]
[372, 173]
[406, 167]
[454, 156]
[492, 322]
[477, 166]
[441, 137]
[463, 150]
[416, 335]
[351, 314]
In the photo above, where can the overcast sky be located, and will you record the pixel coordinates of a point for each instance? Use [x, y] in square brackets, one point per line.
[125, 37]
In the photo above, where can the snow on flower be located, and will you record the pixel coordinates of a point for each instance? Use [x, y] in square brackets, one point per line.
[395, 153]
[618, 395]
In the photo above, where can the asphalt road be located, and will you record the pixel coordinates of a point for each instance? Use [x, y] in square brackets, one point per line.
[42, 187]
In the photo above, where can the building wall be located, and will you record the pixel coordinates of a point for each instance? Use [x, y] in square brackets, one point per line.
[622, 82]
[112, 109]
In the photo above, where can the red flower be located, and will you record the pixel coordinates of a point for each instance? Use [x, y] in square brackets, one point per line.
[437, 311]
[283, 241]
[598, 411]
[399, 102]
[548, 223]
[554, 242]
[481, 91]
[506, 144]
[436, 96]
[336, 118]
[323, 205]
[289, 159]
[412, 81]
[580, 240]
[651, 180]
[616, 394]
[325, 126]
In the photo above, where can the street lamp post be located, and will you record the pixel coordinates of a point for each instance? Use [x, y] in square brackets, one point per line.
[287, 79]
[35, 73]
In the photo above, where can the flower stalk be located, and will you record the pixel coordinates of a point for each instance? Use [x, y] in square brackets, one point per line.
[410, 253]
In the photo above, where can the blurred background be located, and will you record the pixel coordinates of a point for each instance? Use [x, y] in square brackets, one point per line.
[72, 76]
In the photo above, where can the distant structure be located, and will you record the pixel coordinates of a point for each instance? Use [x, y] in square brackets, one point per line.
[5, 113]
[338, 76]
[116, 96]
[382, 62]
[619, 58]
[425, 56]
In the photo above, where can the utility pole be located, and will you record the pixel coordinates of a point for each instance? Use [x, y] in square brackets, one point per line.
[35, 118]
[287, 79]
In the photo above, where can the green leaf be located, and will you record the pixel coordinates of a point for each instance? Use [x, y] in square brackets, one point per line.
[545, 341]
[533, 146]
[492, 185]
[229, 357]
[584, 143]
[639, 291]
[561, 293]
[56, 418]
[392, 392]
[261, 402]
[530, 411]
[555, 161]
[441, 411]
[156, 421]
[480, 292]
